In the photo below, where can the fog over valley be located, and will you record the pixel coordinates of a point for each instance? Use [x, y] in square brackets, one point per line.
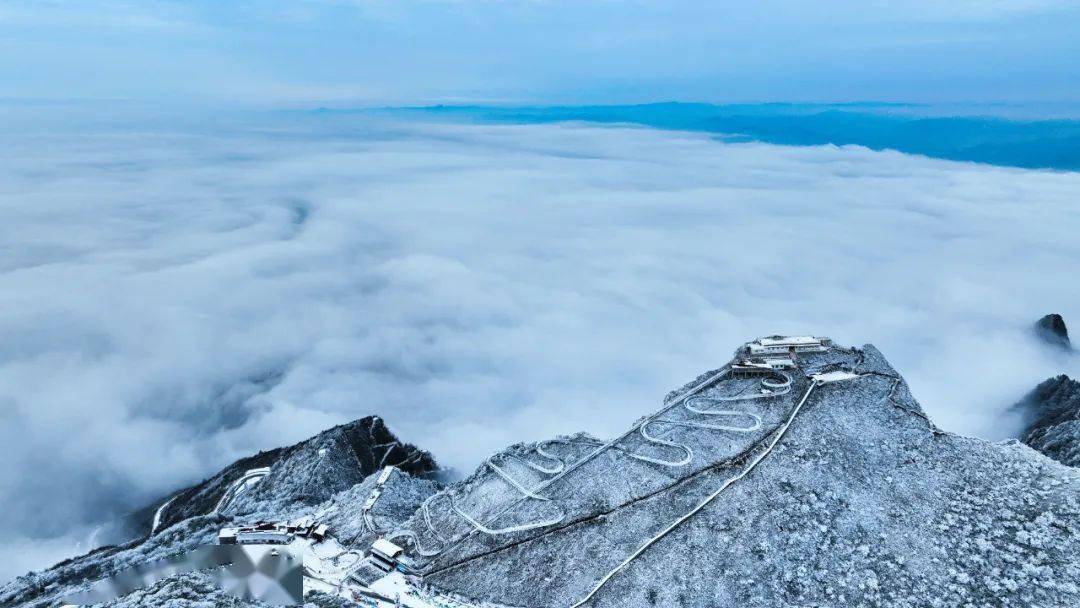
[173, 299]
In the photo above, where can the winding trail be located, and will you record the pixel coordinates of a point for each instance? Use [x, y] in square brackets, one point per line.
[250, 477]
[771, 388]
[725, 485]
[160, 513]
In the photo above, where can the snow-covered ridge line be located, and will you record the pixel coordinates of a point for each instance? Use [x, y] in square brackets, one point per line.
[806, 496]
[613, 547]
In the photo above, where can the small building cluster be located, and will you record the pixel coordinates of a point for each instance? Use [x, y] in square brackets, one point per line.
[271, 533]
[757, 366]
[767, 355]
[383, 558]
[788, 345]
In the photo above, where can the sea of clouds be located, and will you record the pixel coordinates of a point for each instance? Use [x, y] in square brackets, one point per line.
[171, 300]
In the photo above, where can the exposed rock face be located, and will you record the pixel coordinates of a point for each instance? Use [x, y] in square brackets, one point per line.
[784, 495]
[1052, 414]
[1051, 329]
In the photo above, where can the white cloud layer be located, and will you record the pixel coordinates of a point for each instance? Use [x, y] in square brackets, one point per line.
[171, 302]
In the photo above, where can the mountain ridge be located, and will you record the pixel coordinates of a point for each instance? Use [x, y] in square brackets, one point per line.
[819, 483]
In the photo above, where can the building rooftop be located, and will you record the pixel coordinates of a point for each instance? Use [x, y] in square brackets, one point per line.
[387, 548]
[786, 340]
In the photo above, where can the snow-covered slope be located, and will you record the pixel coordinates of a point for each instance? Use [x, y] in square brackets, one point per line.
[823, 485]
[863, 502]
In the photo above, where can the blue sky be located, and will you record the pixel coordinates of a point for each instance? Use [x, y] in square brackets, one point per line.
[540, 51]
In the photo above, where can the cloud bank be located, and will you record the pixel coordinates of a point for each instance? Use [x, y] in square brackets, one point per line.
[172, 301]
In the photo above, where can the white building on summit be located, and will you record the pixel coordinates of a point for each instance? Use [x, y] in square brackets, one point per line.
[754, 366]
[271, 533]
[784, 345]
[767, 356]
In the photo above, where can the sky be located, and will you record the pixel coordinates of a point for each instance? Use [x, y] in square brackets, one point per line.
[362, 52]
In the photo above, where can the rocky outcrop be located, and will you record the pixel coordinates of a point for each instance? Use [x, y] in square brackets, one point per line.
[1051, 329]
[1052, 418]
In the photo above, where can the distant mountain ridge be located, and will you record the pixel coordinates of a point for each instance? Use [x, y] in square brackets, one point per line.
[909, 128]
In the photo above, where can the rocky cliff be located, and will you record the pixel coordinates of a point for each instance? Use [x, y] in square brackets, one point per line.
[1052, 416]
[1052, 330]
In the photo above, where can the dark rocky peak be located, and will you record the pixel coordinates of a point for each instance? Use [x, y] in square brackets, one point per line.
[308, 472]
[1052, 419]
[1051, 329]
